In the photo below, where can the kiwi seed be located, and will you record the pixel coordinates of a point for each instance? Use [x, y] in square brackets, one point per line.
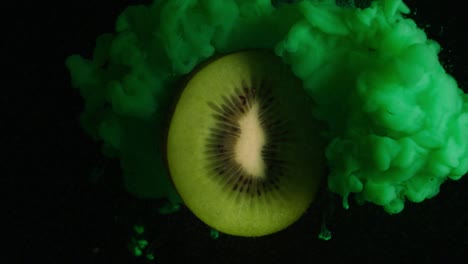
[243, 149]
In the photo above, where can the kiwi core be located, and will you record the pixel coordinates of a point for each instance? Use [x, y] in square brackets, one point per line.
[248, 148]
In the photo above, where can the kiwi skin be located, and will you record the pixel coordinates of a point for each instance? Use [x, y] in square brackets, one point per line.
[232, 199]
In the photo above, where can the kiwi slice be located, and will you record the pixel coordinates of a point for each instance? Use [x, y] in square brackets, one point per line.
[243, 149]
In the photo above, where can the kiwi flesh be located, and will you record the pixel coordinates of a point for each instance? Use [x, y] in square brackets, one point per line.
[243, 149]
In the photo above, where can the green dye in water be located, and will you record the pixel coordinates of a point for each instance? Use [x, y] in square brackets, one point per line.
[397, 122]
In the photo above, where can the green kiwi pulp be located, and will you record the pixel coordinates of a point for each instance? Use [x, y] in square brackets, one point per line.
[243, 149]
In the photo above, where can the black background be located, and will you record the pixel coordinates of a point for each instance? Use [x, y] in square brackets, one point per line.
[56, 214]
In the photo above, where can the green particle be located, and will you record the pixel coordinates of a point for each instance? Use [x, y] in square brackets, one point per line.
[137, 252]
[137, 246]
[150, 256]
[142, 243]
[169, 208]
[325, 234]
[139, 229]
[214, 234]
